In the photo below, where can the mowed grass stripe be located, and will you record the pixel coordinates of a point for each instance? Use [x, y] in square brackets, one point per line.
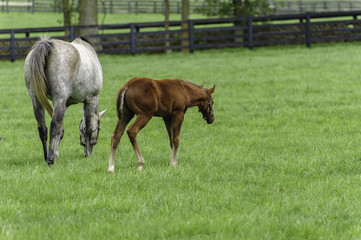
[281, 161]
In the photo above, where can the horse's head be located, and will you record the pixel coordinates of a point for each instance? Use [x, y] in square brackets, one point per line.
[88, 140]
[206, 107]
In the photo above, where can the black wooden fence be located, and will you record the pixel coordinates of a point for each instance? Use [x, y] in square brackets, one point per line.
[157, 6]
[250, 32]
[295, 7]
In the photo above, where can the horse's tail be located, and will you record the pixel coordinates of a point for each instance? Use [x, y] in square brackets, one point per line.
[37, 62]
[121, 101]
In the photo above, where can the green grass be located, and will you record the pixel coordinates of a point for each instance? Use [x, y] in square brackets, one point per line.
[281, 161]
[29, 20]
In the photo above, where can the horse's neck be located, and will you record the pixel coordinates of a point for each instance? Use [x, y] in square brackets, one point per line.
[196, 94]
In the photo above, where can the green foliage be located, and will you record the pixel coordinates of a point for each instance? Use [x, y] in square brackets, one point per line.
[281, 160]
[236, 8]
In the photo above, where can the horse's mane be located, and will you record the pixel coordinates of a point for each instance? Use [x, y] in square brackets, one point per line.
[86, 39]
[190, 83]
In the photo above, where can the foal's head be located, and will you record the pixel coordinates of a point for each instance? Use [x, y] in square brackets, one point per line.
[206, 107]
[88, 140]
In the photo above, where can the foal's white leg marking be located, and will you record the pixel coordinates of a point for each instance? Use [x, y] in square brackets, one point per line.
[173, 161]
[140, 161]
[111, 163]
[111, 160]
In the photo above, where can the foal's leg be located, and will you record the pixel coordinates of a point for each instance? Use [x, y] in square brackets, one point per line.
[56, 130]
[117, 135]
[132, 131]
[169, 126]
[177, 121]
[39, 113]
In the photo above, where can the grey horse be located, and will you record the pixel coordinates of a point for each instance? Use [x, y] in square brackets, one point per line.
[66, 73]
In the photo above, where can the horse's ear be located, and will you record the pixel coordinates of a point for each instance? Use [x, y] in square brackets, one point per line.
[212, 89]
[102, 113]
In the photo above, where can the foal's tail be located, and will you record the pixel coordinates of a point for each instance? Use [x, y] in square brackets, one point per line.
[37, 62]
[121, 101]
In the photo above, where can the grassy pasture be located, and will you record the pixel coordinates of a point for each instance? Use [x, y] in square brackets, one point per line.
[281, 161]
[30, 20]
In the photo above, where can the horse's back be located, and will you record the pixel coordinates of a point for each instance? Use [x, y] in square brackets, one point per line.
[89, 75]
[140, 96]
[74, 71]
[154, 97]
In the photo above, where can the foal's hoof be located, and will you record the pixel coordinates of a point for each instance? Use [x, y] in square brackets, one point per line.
[111, 170]
[139, 168]
[174, 164]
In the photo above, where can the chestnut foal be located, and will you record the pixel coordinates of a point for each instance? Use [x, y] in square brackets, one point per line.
[169, 99]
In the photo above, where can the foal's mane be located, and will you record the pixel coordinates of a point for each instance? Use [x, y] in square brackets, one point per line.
[192, 84]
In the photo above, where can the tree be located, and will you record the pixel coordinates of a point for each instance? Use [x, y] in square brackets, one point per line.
[67, 9]
[88, 15]
[185, 17]
[68, 15]
[166, 26]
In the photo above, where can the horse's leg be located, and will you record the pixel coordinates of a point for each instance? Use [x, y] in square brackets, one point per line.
[39, 113]
[91, 117]
[56, 130]
[177, 121]
[117, 135]
[169, 126]
[132, 132]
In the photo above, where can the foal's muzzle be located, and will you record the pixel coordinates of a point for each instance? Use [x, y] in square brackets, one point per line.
[210, 119]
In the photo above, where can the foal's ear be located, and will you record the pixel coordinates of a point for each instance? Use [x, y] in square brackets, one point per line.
[211, 90]
[102, 113]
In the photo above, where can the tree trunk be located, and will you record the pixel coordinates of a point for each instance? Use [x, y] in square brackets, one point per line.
[88, 15]
[237, 8]
[166, 26]
[67, 16]
[238, 11]
[185, 17]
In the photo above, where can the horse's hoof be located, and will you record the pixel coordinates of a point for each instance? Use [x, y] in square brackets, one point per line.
[139, 168]
[111, 170]
[174, 164]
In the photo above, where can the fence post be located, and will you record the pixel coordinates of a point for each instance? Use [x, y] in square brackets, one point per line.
[71, 36]
[308, 30]
[191, 35]
[12, 46]
[132, 39]
[250, 33]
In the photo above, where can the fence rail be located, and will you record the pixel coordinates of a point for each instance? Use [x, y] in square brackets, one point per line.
[295, 7]
[157, 6]
[134, 38]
